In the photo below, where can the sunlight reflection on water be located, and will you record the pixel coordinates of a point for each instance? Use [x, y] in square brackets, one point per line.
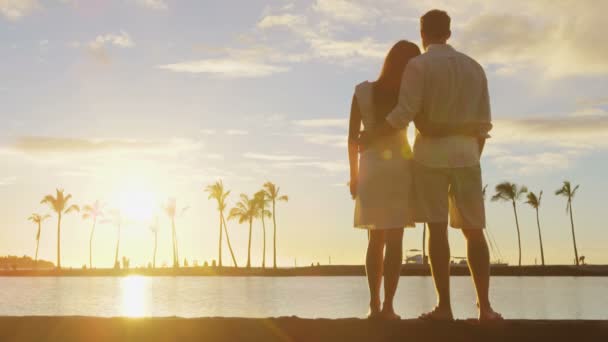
[134, 292]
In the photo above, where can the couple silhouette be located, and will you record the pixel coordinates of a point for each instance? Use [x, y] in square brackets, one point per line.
[445, 94]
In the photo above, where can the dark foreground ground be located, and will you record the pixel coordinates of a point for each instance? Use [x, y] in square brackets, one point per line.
[67, 329]
[337, 270]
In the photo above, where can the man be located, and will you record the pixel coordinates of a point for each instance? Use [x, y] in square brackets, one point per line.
[445, 93]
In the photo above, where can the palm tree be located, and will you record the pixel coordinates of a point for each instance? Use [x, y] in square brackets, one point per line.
[510, 192]
[272, 192]
[262, 204]
[567, 191]
[154, 229]
[92, 212]
[245, 211]
[38, 219]
[171, 211]
[59, 204]
[534, 202]
[216, 191]
[116, 218]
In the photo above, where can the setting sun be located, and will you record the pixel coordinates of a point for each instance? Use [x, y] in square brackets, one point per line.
[138, 205]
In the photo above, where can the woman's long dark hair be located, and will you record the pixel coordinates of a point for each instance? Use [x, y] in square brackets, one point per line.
[386, 87]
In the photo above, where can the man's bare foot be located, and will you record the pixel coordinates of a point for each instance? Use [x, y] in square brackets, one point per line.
[489, 315]
[438, 315]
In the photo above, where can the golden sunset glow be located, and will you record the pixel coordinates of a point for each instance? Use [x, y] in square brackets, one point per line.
[134, 296]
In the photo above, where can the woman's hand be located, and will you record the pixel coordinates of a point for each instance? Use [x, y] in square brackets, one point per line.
[353, 187]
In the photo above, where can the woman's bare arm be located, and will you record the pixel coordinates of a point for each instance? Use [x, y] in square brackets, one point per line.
[354, 128]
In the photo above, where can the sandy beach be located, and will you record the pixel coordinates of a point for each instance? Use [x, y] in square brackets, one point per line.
[67, 329]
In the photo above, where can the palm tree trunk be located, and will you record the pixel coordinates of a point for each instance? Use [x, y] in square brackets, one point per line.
[117, 248]
[155, 245]
[249, 245]
[424, 261]
[573, 236]
[228, 241]
[91, 245]
[220, 244]
[540, 239]
[175, 255]
[37, 245]
[59, 241]
[518, 233]
[274, 235]
[264, 244]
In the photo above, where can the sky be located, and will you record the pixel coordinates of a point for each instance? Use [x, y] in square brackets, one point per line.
[133, 102]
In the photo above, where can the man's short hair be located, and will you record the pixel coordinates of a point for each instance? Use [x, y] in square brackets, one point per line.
[435, 24]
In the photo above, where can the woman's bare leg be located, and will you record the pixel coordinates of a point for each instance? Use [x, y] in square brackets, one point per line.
[374, 269]
[392, 270]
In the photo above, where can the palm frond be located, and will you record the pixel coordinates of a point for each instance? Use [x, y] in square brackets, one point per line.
[72, 208]
[283, 198]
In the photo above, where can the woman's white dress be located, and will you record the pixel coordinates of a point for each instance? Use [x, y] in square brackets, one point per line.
[384, 192]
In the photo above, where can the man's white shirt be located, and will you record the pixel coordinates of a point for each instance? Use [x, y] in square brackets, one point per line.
[449, 87]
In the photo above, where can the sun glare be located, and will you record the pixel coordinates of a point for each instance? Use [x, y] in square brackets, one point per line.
[138, 205]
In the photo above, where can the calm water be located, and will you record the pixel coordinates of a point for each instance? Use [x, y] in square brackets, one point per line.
[331, 297]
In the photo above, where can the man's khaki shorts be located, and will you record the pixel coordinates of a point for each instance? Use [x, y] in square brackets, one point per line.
[449, 192]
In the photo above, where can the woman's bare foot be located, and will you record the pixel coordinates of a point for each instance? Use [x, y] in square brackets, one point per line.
[438, 315]
[489, 315]
[374, 310]
[389, 315]
[374, 314]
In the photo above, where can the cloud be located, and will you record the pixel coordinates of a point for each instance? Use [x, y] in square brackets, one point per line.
[322, 123]
[533, 163]
[347, 11]
[273, 157]
[569, 131]
[288, 20]
[16, 9]
[232, 68]
[333, 140]
[559, 141]
[153, 4]
[7, 181]
[330, 166]
[558, 38]
[98, 46]
[61, 145]
[236, 132]
[122, 40]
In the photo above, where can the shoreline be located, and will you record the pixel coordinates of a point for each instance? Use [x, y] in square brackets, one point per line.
[316, 271]
[292, 329]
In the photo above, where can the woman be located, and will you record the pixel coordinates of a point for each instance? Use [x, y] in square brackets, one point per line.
[380, 179]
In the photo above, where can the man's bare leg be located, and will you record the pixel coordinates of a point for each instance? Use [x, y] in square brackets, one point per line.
[478, 257]
[439, 254]
[392, 270]
[374, 269]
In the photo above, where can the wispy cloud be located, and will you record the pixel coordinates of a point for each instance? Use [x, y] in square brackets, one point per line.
[153, 4]
[98, 47]
[122, 40]
[51, 145]
[236, 132]
[7, 181]
[273, 157]
[348, 11]
[287, 20]
[333, 140]
[232, 68]
[577, 131]
[330, 166]
[322, 123]
[16, 9]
